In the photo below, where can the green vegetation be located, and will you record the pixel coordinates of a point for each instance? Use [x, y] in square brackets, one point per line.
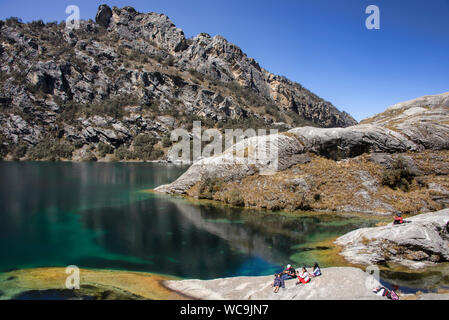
[113, 107]
[208, 187]
[3, 146]
[144, 146]
[19, 151]
[399, 176]
[166, 142]
[235, 198]
[51, 149]
[104, 149]
[122, 153]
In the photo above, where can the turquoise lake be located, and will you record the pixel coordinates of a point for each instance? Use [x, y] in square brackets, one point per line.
[98, 215]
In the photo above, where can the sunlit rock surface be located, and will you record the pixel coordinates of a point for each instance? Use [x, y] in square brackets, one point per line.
[339, 283]
[422, 242]
[402, 128]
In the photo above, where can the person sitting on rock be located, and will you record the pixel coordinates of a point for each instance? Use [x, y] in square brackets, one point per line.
[278, 282]
[303, 277]
[316, 271]
[398, 219]
[289, 273]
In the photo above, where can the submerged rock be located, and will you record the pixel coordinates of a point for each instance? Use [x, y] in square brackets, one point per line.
[421, 242]
[50, 283]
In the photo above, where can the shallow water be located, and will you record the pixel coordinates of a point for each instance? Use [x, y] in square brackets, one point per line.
[97, 215]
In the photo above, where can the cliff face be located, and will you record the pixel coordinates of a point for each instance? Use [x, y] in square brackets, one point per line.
[129, 74]
[397, 161]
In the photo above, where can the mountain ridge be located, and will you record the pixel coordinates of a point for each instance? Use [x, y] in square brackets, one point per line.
[132, 74]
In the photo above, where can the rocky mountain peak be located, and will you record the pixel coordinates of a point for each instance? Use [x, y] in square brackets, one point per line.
[55, 80]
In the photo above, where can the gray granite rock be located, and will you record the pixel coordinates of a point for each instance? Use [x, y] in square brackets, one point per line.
[422, 241]
[335, 284]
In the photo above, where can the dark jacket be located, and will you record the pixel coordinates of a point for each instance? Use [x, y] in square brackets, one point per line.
[279, 282]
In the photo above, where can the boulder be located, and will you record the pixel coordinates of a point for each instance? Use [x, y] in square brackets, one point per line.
[422, 241]
[104, 15]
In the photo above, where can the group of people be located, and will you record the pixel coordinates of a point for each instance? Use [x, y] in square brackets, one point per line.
[291, 273]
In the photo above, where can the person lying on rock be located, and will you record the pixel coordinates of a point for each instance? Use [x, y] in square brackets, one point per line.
[316, 271]
[278, 282]
[289, 273]
[303, 277]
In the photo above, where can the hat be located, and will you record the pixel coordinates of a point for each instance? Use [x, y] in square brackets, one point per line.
[288, 266]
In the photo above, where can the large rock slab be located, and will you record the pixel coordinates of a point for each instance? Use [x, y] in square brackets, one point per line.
[422, 242]
[245, 158]
[338, 283]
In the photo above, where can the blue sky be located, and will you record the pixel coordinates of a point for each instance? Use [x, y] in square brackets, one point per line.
[322, 44]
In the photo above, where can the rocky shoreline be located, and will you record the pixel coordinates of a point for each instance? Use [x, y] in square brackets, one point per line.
[50, 283]
[336, 283]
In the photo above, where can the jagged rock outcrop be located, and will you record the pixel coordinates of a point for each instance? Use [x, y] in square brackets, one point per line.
[104, 15]
[422, 241]
[57, 78]
[371, 136]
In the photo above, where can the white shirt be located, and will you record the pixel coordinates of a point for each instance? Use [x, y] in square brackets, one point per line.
[305, 275]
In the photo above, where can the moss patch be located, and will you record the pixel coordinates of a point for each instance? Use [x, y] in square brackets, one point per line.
[95, 284]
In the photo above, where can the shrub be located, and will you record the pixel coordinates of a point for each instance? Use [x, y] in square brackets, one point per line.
[78, 144]
[13, 21]
[104, 149]
[166, 142]
[122, 153]
[19, 151]
[208, 187]
[37, 25]
[113, 107]
[51, 149]
[3, 146]
[156, 154]
[196, 74]
[399, 176]
[144, 146]
[236, 199]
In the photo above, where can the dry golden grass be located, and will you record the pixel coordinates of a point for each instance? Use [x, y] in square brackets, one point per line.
[336, 185]
[146, 285]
